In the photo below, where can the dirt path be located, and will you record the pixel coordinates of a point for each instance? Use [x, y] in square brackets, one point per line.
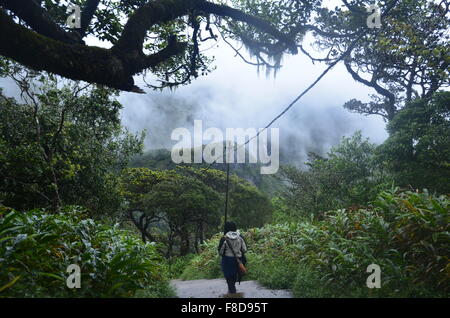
[216, 288]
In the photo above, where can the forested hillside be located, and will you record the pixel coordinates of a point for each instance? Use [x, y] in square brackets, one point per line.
[85, 212]
[160, 159]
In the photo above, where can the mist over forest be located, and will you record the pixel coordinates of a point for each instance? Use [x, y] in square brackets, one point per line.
[314, 125]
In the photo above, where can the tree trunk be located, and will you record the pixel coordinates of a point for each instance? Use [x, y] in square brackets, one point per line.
[184, 244]
[197, 237]
[170, 244]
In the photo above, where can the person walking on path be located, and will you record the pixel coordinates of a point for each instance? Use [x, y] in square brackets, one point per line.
[232, 245]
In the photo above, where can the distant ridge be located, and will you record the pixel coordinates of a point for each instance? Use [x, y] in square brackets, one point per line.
[160, 159]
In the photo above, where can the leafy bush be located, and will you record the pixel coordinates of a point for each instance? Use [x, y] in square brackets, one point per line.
[406, 234]
[178, 264]
[63, 148]
[308, 284]
[350, 174]
[36, 248]
[206, 264]
[272, 272]
[418, 148]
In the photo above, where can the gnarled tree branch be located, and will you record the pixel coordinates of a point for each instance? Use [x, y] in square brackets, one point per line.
[259, 23]
[46, 46]
[150, 14]
[75, 61]
[390, 109]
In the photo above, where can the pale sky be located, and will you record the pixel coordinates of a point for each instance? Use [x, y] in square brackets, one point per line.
[234, 96]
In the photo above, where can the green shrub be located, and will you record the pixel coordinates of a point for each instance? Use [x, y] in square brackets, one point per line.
[178, 264]
[206, 265]
[272, 272]
[36, 248]
[308, 283]
[407, 234]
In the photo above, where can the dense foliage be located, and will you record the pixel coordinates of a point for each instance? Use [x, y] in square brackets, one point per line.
[248, 206]
[350, 174]
[418, 148]
[37, 247]
[182, 207]
[61, 144]
[160, 159]
[406, 234]
[165, 205]
[407, 58]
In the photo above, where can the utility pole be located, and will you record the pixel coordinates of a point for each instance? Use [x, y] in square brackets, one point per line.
[227, 159]
[226, 194]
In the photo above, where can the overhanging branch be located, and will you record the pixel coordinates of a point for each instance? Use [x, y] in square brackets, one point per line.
[373, 83]
[44, 45]
[76, 61]
[150, 14]
[259, 23]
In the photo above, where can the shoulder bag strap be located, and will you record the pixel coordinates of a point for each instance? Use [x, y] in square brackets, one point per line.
[232, 250]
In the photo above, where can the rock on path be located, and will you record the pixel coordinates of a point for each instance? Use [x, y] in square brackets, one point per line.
[216, 288]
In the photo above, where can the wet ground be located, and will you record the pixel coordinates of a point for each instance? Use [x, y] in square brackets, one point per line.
[217, 288]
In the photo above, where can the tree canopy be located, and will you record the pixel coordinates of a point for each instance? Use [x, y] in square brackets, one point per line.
[169, 39]
[350, 175]
[407, 58]
[162, 36]
[60, 144]
[188, 203]
[418, 147]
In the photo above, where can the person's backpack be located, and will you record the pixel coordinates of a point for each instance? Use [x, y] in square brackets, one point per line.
[241, 267]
